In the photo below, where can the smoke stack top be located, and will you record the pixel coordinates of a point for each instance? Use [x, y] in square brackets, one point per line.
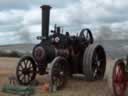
[45, 20]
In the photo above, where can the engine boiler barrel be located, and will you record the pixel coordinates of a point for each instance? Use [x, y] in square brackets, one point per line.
[45, 20]
[52, 52]
[48, 53]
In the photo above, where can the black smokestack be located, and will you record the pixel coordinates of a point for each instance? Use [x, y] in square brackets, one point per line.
[45, 20]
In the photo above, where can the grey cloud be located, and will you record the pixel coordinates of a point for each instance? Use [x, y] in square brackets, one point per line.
[73, 15]
[24, 35]
[59, 3]
[12, 4]
[105, 33]
[108, 33]
[11, 17]
[26, 4]
[8, 28]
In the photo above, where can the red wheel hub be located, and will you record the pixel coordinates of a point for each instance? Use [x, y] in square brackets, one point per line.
[119, 81]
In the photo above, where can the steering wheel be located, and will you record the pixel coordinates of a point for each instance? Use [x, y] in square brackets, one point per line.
[86, 34]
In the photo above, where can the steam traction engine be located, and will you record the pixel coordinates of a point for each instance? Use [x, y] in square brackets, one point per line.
[65, 54]
[120, 77]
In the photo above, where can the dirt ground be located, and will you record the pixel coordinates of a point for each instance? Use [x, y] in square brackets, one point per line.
[74, 87]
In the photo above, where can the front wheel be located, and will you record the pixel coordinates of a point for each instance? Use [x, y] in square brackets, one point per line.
[26, 70]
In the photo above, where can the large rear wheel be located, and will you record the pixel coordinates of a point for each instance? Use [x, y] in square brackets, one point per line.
[94, 62]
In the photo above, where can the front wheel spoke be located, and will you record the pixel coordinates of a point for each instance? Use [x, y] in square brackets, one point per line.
[25, 63]
[21, 65]
[31, 74]
[20, 73]
[19, 70]
[31, 68]
[23, 78]
[30, 64]
[29, 77]
[25, 66]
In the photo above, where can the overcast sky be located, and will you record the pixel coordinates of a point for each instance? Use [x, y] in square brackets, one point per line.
[20, 19]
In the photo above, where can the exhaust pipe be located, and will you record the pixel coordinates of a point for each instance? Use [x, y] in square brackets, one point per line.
[45, 20]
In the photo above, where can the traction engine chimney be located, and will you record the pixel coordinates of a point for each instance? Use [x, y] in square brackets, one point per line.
[45, 20]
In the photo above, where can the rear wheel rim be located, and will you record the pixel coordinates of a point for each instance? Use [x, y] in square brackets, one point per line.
[98, 66]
